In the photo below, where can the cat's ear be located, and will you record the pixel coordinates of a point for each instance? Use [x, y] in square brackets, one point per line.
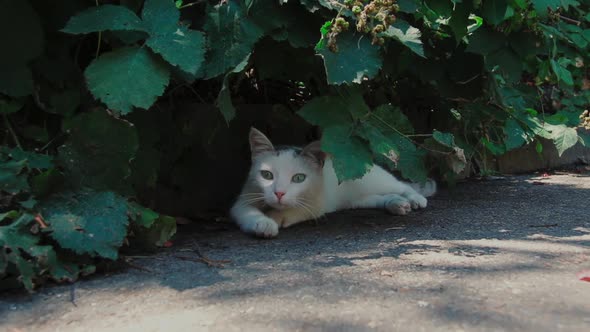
[259, 143]
[314, 152]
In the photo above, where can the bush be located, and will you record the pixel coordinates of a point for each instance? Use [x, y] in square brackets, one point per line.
[375, 76]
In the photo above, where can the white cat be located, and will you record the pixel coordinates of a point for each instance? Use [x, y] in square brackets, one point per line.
[289, 185]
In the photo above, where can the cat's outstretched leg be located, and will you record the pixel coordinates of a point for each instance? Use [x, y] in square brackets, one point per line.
[394, 203]
[290, 217]
[253, 221]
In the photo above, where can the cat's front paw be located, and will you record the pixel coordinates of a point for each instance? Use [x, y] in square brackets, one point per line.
[417, 201]
[398, 205]
[265, 227]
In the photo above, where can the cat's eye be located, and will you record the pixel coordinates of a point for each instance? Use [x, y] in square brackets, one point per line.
[298, 178]
[266, 175]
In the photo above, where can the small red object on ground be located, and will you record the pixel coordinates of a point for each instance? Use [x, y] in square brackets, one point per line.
[584, 275]
[168, 244]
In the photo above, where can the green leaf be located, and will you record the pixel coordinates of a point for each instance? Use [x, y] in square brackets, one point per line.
[407, 35]
[506, 62]
[542, 6]
[387, 116]
[11, 179]
[33, 160]
[494, 148]
[446, 139]
[159, 14]
[460, 20]
[539, 147]
[142, 216]
[231, 37]
[28, 204]
[154, 228]
[454, 156]
[177, 44]
[102, 18]
[98, 151]
[86, 222]
[127, 78]
[485, 41]
[564, 138]
[326, 111]
[14, 239]
[583, 137]
[350, 157]
[408, 6]
[495, 12]
[356, 58]
[379, 143]
[515, 135]
[411, 161]
[224, 102]
[182, 47]
[10, 106]
[562, 73]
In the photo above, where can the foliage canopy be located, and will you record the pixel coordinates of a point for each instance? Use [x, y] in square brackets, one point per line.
[79, 81]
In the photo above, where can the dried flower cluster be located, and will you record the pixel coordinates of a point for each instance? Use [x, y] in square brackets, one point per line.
[372, 16]
[585, 117]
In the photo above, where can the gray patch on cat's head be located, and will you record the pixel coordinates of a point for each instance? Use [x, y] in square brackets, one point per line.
[260, 144]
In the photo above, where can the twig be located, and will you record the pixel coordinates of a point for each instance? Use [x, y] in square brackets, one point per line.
[203, 259]
[406, 136]
[11, 130]
[547, 225]
[39, 220]
[73, 294]
[99, 38]
[567, 19]
[209, 262]
[190, 4]
[135, 266]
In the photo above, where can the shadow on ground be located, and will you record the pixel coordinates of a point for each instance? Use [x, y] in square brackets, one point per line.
[488, 255]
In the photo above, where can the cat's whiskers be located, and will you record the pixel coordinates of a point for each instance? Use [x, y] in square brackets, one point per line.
[307, 207]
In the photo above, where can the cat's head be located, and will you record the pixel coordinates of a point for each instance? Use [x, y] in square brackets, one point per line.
[287, 177]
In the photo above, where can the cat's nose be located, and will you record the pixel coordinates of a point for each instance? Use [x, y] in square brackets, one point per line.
[279, 194]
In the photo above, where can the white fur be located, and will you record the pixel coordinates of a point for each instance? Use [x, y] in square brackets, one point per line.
[318, 194]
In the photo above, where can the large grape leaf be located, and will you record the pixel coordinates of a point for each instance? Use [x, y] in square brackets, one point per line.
[356, 58]
[387, 116]
[177, 44]
[102, 18]
[350, 156]
[515, 135]
[98, 151]
[563, 137]
[231, 37]
[126, 78]
[411, 160]
[379, 143]
[339, 110]
[87, 222]
[407, 35]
